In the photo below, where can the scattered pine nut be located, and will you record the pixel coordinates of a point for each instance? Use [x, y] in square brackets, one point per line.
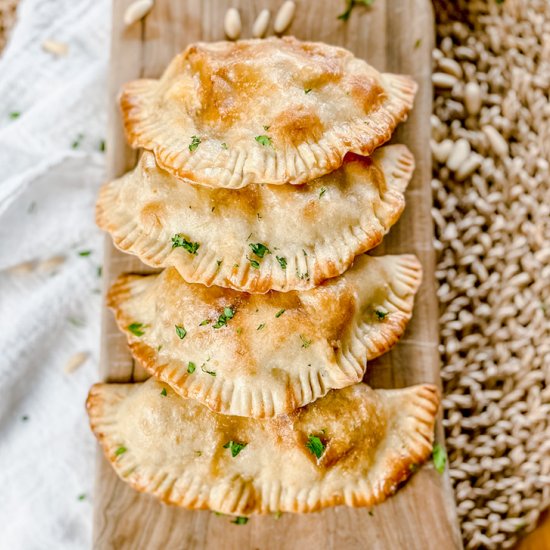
[284, 17]
[50, 264]
[137, 10]
[75, 362]
[22, 269]
[58, 49]
[260, 25]
[232, 24]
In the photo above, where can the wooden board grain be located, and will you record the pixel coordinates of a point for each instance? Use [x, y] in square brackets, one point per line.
[394, 35]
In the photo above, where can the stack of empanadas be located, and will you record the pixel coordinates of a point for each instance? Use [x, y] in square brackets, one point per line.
[259, 190]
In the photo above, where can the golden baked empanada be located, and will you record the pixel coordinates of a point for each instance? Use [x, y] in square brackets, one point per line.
[261, 237]
[276, 111]
[265, 354]
[353, 446]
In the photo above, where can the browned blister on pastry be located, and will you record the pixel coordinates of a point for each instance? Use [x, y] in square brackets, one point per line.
[261, 237]
[265, 354]
[353, 447]
[276, 111]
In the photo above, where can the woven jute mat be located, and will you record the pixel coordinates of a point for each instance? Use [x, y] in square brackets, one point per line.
[7, 19]
[491, 189]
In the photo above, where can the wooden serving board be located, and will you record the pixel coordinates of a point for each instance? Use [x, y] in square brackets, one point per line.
[393, 35]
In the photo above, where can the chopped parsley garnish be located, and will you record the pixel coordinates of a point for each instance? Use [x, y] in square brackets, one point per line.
[99, 270]
[254, 263]
[210, 372]
[259, 249]
[371, 513]
[195, 142]
[76, 143]
[282, 262]
[24, 418]
[102, 145]
[302, 275]
[260, 327]
[178, 240]
[235, 447]
[264, 140]
[159, 347]
[279, 313]
[266, 128]
[180, 331]
[322, 191]
[307, 90]
[191, 367]
[198, 453]
[278, 514]
[228, 313]
[439, 457]
[413, 468]
[315, 446]
[305, 342]
[76, 322]
[136, 329]
[417, 43]
[205, 322]
[84, 253]
[350, 5]
[219, 263]
[15, 114]
[82, 496]
[381, 314]
[163, 392]
[224, 145]
[240, 520]
[239, 330]
[120, 451]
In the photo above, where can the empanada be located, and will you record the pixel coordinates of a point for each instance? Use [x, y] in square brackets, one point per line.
[261, 237]
[276, 111]
[265, 354]
[353, 447]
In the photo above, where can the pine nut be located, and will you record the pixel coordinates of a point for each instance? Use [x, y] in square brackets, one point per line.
[260, 25]
[137, 11]
[22, 268]
[75, 362]
[51, 264]
[232, 24]
[55, 48]
[284, 17]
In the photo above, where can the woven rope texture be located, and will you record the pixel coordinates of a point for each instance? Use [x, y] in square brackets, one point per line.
[491, 189]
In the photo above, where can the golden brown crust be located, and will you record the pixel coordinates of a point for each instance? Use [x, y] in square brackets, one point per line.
[280, 350]
[174, 449]
[314, 102]
[317, 228]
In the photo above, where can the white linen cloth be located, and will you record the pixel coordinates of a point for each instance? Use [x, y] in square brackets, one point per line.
[51, 167]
